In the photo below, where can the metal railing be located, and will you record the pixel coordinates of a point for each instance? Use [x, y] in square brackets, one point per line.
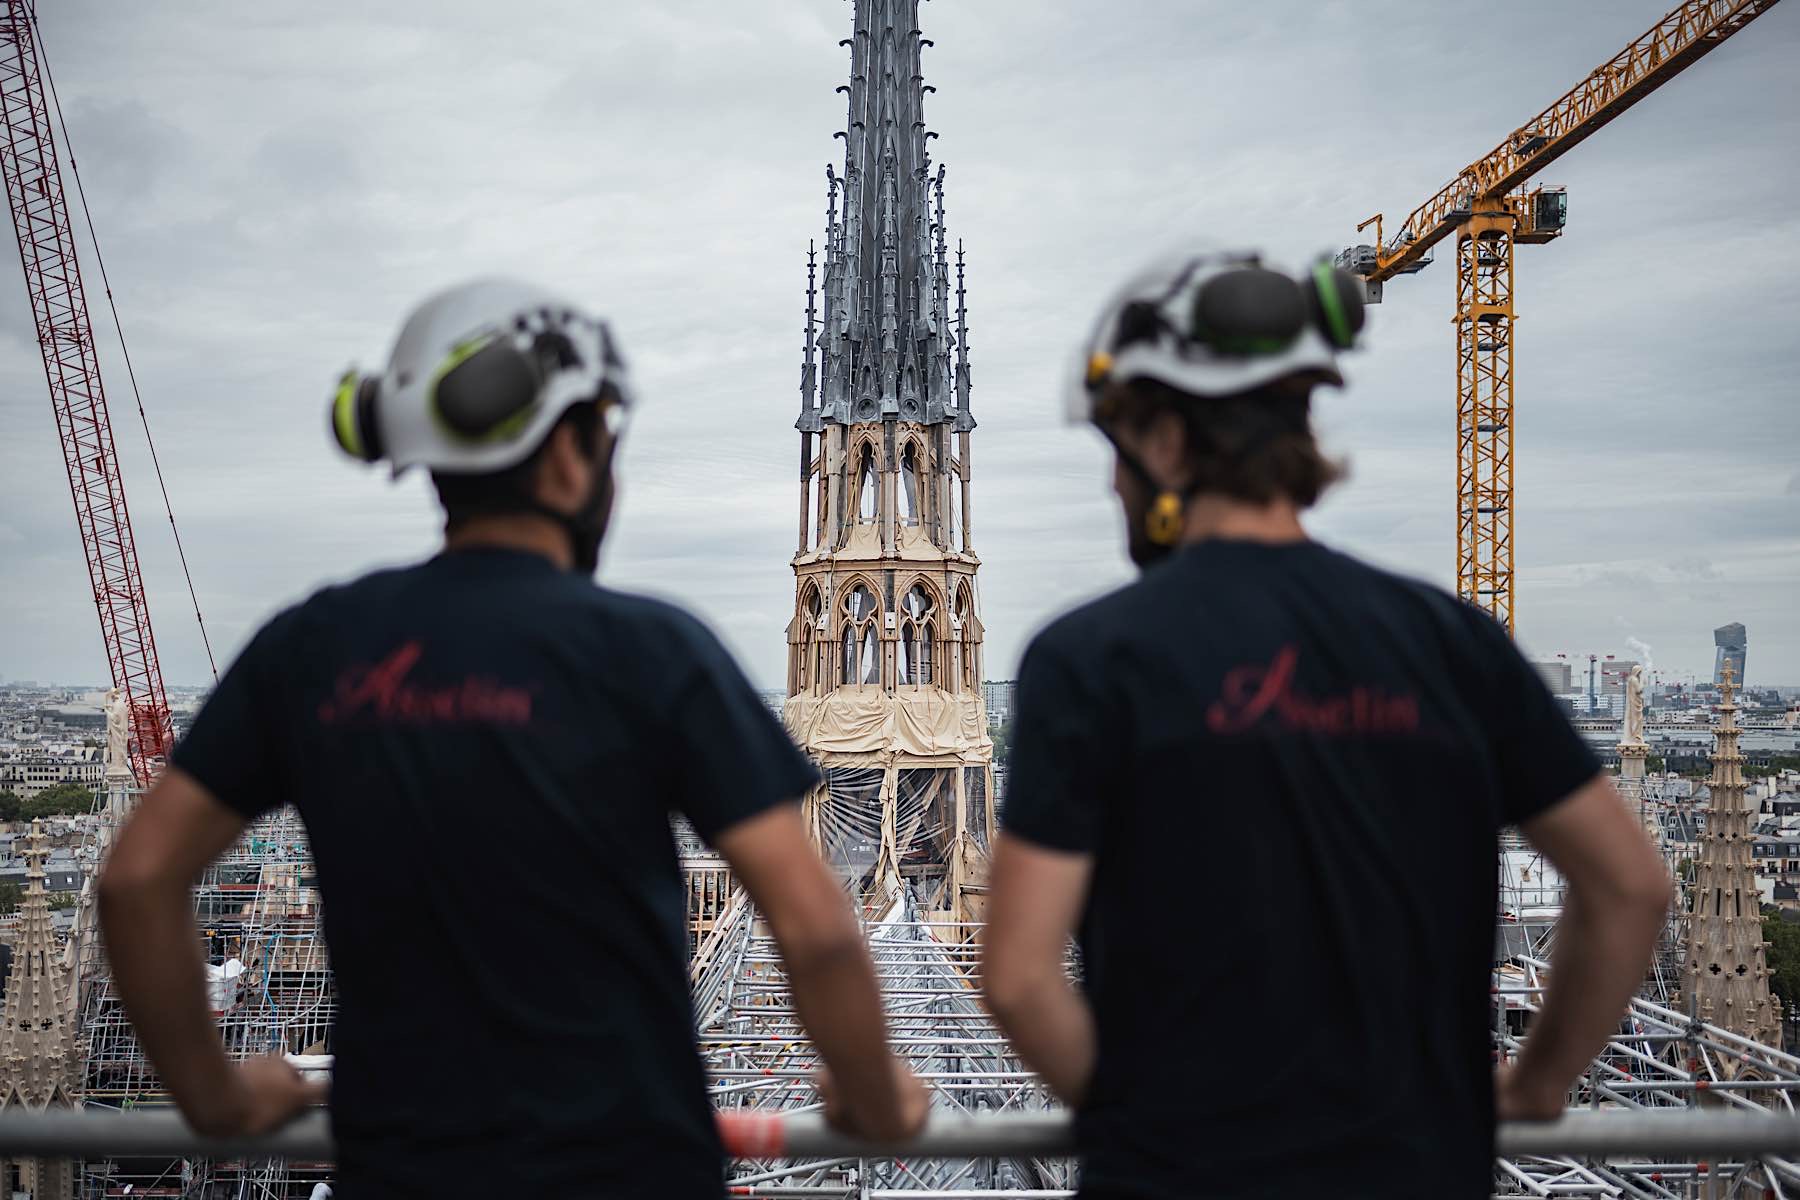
[76, 1133]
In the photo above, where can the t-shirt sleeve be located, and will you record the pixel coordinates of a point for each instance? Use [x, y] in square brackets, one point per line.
[1055, 776]
[732, 759]
[231, 747]
[1540, 757]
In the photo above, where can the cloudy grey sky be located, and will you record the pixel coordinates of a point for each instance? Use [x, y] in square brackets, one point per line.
[274, 184]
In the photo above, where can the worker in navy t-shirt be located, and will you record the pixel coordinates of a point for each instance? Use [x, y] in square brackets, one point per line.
[487, 750]
[1262, 786]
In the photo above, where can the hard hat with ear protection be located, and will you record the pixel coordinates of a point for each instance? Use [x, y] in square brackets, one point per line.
[478, 377]
[1211, 325]
[1218, 324]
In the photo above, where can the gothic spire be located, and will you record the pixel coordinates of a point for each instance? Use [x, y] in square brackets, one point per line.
[886, 343]
[1727, 971]
[40, 1058]
[40, 1062]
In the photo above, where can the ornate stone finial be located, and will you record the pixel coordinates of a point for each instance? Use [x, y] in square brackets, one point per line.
[809, 421]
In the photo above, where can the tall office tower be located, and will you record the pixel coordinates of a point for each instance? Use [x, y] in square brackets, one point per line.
[1559, 677]
[1730, 643]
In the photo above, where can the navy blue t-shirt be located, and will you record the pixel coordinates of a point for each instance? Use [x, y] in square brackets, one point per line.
[1291, 769]
[487, 751]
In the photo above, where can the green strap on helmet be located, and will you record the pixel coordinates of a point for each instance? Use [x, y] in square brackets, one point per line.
[1331, 305]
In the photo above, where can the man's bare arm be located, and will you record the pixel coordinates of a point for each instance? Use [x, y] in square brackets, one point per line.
[829, 972]
[154, 948]
[1617, 899]
[1035, 898]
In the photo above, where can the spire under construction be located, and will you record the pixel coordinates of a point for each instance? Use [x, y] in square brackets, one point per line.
[884, 664]
[884, 649]
[1726, 972]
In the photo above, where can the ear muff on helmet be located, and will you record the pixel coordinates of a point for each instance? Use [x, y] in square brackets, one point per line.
[1253, 310]
[486, 390]
[353, 420]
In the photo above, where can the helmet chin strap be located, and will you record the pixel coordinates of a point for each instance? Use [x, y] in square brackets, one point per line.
[584, 527]
[1166, 519]
[1167, 516]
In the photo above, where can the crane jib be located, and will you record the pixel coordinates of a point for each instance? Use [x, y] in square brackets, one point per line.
[40, 212]
[1686, 33]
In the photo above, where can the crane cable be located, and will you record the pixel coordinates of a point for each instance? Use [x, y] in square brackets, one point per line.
[119, 329]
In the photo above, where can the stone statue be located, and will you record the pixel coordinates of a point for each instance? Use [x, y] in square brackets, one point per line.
[118, 733]
[1634, 707]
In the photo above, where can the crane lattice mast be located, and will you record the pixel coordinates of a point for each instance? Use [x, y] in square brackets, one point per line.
[1489, 209]
[40, 213]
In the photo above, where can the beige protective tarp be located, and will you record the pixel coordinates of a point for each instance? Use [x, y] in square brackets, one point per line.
[863, 547]
[927, 722]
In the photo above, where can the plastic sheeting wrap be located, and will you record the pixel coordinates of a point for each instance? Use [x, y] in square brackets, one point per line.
[849, 812]
[975, 787]
[854, 821]
[314, 1068]
[926, 722]
[222, 985]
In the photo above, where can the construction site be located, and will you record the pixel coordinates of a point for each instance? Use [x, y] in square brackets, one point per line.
[884, 654]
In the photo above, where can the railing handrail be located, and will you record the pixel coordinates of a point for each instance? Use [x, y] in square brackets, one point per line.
[89, 1133]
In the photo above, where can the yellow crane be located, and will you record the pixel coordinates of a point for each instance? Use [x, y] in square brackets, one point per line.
[1489, 209]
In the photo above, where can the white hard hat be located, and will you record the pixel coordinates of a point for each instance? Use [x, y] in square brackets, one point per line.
[1217, 323]
[479, 375]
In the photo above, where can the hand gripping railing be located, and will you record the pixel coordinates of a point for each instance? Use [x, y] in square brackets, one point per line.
[74, 1133]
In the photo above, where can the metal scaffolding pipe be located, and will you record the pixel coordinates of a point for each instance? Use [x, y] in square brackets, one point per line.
[1668, 1135]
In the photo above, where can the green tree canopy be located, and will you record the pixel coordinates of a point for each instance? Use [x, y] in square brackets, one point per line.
[1784, 957]
[10, 804]
[59, 800]
[12, 895]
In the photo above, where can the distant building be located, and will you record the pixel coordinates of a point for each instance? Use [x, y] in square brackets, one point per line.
[998, 694]
[1613, 673]
[75, 716]
[1778, 858]
[1559, 677]
[1730, 642]
[61, 873]
[26, 777]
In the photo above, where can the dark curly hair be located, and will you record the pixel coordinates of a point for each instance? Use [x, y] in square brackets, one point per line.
[1255, 446]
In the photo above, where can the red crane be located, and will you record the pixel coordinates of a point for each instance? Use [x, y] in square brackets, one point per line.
[40, 215]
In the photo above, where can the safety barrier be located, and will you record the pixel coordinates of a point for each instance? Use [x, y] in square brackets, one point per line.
[1673, 1135]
